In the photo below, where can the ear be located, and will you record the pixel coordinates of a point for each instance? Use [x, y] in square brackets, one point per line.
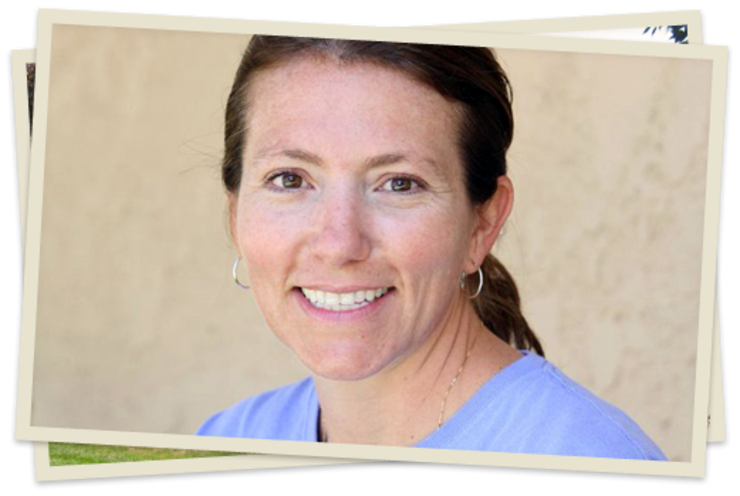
[490, 219]
[233, 204]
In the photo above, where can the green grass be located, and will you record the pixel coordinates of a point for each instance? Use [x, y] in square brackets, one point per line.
[61, 454]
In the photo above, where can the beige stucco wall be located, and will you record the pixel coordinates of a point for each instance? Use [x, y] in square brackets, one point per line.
[140, 327]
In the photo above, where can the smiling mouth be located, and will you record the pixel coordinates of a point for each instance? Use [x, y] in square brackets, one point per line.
[343, 302]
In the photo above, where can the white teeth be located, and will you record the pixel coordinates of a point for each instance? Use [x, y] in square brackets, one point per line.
[341, 302]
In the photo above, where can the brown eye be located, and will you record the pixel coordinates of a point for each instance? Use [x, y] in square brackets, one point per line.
[400, 184]
[292, 181]
[287, 180]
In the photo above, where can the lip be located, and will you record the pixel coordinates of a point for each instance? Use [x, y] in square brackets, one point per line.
[332, 316]
[343, 289]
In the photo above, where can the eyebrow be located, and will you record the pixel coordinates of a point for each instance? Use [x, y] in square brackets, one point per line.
[377, 161]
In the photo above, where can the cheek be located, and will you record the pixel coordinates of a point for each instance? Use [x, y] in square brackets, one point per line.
[267, 244]
[266, 240]
[426, 247]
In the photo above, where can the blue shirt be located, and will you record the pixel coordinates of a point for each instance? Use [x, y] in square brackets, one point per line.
[528, 407]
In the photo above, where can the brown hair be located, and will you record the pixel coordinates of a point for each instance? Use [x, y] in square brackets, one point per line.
[469, 76]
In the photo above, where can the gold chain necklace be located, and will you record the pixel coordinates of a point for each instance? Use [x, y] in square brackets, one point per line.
[454, 381]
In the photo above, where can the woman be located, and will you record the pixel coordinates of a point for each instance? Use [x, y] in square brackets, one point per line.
[367, 185]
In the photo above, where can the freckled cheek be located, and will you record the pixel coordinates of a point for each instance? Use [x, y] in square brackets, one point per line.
[269, 243]
[426, 251]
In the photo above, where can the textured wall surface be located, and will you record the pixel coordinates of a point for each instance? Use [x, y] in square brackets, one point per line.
[140, 327]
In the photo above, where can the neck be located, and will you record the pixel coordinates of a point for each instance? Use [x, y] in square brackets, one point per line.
[407, 402]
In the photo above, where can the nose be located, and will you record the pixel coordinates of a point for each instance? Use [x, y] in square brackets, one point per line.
[341, 230]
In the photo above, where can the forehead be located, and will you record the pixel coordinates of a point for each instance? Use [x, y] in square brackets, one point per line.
[359, 107]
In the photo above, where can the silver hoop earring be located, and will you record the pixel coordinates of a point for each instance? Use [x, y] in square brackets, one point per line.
[480, 284]
[234, 274]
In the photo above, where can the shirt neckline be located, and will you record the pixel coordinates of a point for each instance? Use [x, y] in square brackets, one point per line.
[488, 393]
[464, 417]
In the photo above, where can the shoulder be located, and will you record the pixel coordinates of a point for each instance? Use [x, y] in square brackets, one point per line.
[559, 416]
[285, 413]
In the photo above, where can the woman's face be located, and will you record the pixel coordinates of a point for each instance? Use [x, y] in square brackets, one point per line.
[352, 215]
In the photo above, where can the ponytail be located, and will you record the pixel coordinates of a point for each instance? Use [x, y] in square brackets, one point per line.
[499, 307]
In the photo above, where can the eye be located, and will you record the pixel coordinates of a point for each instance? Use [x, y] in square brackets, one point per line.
[402, 184]
[286, 180]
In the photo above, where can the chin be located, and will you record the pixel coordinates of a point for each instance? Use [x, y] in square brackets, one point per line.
[339, 363]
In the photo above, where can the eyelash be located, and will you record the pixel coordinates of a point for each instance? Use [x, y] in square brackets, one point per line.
[416, 187]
